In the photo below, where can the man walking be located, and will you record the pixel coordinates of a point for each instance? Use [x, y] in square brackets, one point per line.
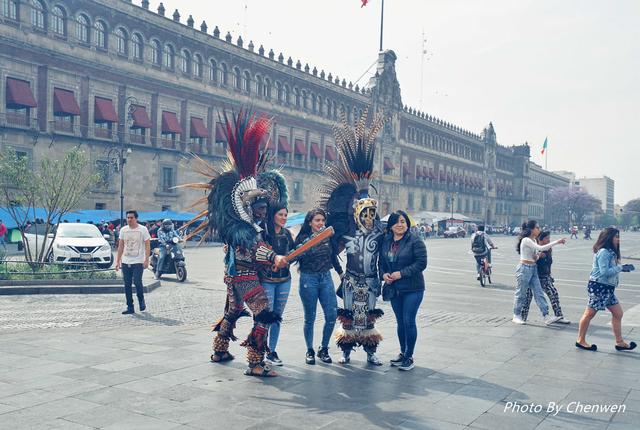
[133, 257]
[3, 233]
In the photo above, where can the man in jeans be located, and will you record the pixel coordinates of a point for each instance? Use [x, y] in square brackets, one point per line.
[133, 257]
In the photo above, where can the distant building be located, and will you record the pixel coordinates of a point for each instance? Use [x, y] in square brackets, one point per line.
[540, 183]
[602, 188]
[571, 176]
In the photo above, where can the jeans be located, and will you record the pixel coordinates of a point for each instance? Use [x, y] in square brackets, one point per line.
[316, 287]
[132, 273]
[163, 256]
[278, 293]
[3, 243]
[405, 307]
[527, 278]
[479, 259]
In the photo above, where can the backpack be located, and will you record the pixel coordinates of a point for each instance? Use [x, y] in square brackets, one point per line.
[479, 246]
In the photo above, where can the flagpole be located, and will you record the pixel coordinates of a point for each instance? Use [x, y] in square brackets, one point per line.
[546, 159]
[381, 23]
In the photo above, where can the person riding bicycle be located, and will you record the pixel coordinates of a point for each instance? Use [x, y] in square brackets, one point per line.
[165, 236]
[481, 246]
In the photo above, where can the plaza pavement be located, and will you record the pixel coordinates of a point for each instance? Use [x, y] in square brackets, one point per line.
[73, 362]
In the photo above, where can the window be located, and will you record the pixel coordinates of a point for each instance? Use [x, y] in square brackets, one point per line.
[286, 93]
[246, 82]
[82, 29]
[10, 9]
[101, 35]
[280, 92]
[410, 201]
[224, 74]
[169, 57]
[436, 203]
[197, 66]
[156, 53]
[423, 202]
[258, 85]
[297, 191]
[103, 174]
[237, 80]
[121, 41]
[213, 71]
[37, 14]
[167, 180]
[101, 206]
[137, 47]
[166, 208]
[185, 62]
[58, 18]
[266, 89]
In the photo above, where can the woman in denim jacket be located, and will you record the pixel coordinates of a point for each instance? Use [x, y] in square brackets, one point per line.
[602, 284]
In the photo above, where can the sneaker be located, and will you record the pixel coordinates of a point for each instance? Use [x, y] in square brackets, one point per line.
[373, 359]
[143, 306]
[518, 320]
[128, 311]
[562, 320]
[397, 361]
[323, 355]
[156, 276]
[407, 364]
[273, 358]
[478, 278]
[310, 358]
[548, 320]
[346, 358]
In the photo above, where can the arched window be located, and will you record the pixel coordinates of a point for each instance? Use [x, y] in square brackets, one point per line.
[266, 89]
[58, 21]
[197, 66]
[224, 74]
[37, 14]
[286, 97]
[185, 62]
[82, 28]
[137, 46]
[213, 71]
[101, 35]
[237, 79]
[122, 39]
[296, 97]
[10, 9]
[258, 85]
[246, 82]
[305, 100]
[169, 57]
[156, 52]
[279, 92]
[319, 107]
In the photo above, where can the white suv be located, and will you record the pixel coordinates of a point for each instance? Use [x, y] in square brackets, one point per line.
[77, 243]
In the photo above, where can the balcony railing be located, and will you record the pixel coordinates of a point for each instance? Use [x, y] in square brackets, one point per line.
[63, 126]
[102, 133]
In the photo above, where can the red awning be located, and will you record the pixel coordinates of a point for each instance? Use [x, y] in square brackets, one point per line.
[405, 169]
[432, 173]
[64, 103]
[266, 144]
[330, 153]
[170, 123]
[418, 172]
[466, 180]
[425, 172]
[442, 175]
[283, 145]
[220, 134]
[301, 149]
[315, 151]
[19, 94]
[388, 164]
[103, 111]
[198, 129]
[140, 117]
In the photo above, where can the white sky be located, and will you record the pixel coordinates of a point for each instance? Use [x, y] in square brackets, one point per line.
[564, 69]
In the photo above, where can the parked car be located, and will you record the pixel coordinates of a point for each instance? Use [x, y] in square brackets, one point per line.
[455, 232]
[75, 243]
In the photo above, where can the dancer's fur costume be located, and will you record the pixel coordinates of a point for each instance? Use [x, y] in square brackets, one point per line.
[353, 215]
[241, 182]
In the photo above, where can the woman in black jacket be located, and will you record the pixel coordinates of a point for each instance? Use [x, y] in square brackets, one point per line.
[403, 257]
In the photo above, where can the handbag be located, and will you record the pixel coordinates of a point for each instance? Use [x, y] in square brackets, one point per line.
[389, 292]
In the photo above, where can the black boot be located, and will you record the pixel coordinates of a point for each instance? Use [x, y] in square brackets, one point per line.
[310, 357]
[129, 310]
[143, 306]
[323, 355]
[346, 356]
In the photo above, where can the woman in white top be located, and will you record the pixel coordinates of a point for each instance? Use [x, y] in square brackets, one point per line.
[527, 272]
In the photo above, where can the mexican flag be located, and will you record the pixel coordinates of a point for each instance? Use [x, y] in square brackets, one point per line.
[544, 146]
[364, 3]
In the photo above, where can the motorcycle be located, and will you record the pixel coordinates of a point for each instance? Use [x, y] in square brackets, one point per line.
[173, 262]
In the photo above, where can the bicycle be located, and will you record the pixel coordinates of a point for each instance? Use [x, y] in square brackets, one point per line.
[484, 273]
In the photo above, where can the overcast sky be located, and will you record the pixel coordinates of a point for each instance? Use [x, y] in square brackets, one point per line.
[566, 69]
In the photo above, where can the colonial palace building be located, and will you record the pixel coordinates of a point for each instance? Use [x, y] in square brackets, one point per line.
[111, 74]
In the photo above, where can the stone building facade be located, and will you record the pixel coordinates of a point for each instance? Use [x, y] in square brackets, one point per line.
[111, 74]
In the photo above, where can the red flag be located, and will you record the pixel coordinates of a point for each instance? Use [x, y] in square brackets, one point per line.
[364, 3]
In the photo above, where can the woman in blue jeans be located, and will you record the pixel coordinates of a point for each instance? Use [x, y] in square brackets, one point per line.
[277, 284]
[316, 285]
[403, 258]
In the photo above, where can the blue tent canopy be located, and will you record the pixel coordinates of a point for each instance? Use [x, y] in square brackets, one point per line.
[159, 216]
[295, 219]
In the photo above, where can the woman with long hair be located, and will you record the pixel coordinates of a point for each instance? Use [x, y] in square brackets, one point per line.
[277, 284]
[316, 285]
[601, 288]
[527, 272]
[403, 258]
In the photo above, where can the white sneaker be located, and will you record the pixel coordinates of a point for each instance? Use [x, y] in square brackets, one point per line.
[518, 320]
[548, 320]
[564, 321]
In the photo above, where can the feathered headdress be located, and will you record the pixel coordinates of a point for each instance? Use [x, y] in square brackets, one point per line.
[350, 177]
[234, 187]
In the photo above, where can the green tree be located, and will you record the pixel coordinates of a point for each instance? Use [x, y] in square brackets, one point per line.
[57, 185]
[572, 205]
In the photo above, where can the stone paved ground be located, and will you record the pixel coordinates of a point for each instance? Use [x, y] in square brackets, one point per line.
[73, 362]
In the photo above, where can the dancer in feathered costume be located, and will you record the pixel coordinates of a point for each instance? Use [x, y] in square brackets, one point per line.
[236, 203]
[353, 215]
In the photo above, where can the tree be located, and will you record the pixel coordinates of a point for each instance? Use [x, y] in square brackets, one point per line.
[48, 191]
[572, 205]
[630, 213]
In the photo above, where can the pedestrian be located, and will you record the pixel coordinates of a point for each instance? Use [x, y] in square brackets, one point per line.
[277, 284]
[133, 257]
[574, 232]
[3, 233]
[403, 258]
[527, 272]
[316, 285]
[544, 262]
[601, 288]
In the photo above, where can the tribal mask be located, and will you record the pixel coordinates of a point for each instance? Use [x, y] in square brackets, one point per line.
[244, 194]
[365, 214]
